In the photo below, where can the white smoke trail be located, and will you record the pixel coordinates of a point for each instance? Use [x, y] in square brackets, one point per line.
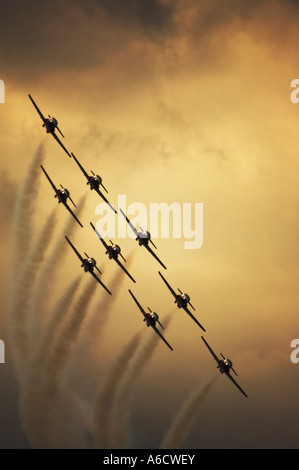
[22, 228]
[119, 415]
[97, 321]
[37, 414]
[59, 355]
[106, 395]
[87, 347]
[29, 405]
[22, 288]
[73, 423]
[48, 335]
[42, 287]
[185, 418]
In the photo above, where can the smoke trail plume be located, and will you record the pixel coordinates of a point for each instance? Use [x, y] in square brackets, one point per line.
[143, 355]
[33, 385]
[24, 209]
[37, 414]
[106, 396]
[22, 288]
[98, 320]
[73, 423]
[48, 335]
[88, 345]
[41, 294]
[185, 418]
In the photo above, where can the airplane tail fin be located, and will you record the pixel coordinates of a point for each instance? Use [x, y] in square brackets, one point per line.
[60, 132]
[151, 241]
[98, 270]
[72, 201]
[104, 188]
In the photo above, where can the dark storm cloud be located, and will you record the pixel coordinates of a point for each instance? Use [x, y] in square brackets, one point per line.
[42, 37]
[24, 28]
[39, 38]
[147, 15]
[212, 14]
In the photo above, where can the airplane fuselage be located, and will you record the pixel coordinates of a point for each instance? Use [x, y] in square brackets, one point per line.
[142, 238]
[181, 301]
[112, 252]
[224, 366]
[50, 124]
[150, 319]
[62, 195]
[88, 265]
[94, 182]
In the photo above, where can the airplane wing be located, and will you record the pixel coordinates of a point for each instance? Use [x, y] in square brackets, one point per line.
[138, 304]
[60, 143]
[100, 282]
[211, 351]
[162, 337]
[129, 222]
[169, 287]
[37, 108]
[193, 318]
[104, 243]
[72, 213]
[75, 250]
[236, 384]
[49, 179]
[154, 255]
[80, 166]
[105, 199]
[124, 269]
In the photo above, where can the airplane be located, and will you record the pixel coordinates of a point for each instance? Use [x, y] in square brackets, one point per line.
[144, 238]
[182, 301]
[63, 195]
[94, 181]
[151, 319]
[51, 124]
[113, 251]
[225, 366]
[88, 264]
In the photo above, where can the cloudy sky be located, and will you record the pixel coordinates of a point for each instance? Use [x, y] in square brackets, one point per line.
[169, 101]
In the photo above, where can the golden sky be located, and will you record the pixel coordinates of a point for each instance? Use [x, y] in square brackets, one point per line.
[171, 101]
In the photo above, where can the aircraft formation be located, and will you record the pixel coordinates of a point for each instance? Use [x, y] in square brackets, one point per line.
[113, 251]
